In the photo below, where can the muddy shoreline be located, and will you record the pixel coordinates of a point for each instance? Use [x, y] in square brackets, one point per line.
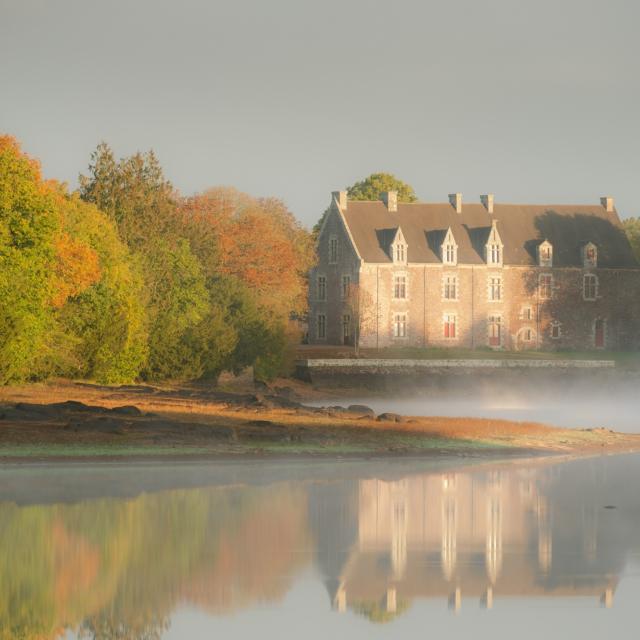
[64, 421]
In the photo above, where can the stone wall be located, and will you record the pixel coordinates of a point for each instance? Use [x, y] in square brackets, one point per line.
[347, 264]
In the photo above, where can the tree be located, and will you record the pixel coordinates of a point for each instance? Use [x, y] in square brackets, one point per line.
[256, 240]
[362, 313]
[29, 225]
[256, 258]
[632, 229]
[371, 187]
[106, 320]
[136, 196]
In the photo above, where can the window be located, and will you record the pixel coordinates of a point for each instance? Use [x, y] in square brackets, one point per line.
[399, 253]
[322, 288]
[449, 322]
[556, 330]
[346, 328]
[589, 286]
[494, 254]
[495, 288]
[333, 250]
[545, 286]
[527, 335]
[450, 287]
[450, 254]
[526, 314]
[346, 284]
[495, 331]
[590, 255]
[545, 254]
[400, 287]
[449, 249]
[322, 326]
[493, 248]
[400, 325]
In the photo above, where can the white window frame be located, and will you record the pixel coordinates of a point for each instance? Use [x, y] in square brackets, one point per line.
[532, 334]
[494, 254]
[400, 253]
[404, 286]
[333, 249]
[322, 324]
[545, 261]
[596, 287]
[399, 325]
[450, 280]
[346, 326]
[446, 321]
[555, 324]
[493, 319]
[449, 254]
[345, 284]
[551, 285]
[491, 287]
[321, 280]
[526, 312]
[588, 263]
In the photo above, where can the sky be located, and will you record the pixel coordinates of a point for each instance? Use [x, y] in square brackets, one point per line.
[535, 101]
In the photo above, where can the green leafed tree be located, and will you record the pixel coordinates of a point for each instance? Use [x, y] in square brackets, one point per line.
[632, 228]
[372, 186]
[136, 196]
[28, 227]
[106, 322]
[370, 189]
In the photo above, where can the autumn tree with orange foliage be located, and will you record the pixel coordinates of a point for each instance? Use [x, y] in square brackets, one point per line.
[259, 245]
[55, 253]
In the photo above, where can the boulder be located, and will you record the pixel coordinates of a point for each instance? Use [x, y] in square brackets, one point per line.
[361, 411]
[390, 417]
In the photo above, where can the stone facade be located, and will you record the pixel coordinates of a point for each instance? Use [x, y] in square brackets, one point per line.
[467, 304]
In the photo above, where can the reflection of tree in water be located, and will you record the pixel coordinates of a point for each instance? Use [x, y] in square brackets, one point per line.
[117, 569]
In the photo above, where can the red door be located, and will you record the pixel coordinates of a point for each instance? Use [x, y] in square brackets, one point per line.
[599, 333]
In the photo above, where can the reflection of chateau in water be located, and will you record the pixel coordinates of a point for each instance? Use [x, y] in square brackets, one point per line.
[103, 566]
[481, 536]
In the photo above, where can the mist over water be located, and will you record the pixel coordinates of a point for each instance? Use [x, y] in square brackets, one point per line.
[612, 404]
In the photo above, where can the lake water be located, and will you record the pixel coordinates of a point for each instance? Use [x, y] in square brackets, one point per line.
[614, 406]
[315, 549]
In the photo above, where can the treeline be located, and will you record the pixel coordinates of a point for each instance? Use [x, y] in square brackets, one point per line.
[125, 279]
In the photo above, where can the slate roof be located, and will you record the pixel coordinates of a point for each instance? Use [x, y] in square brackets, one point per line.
[522, 228]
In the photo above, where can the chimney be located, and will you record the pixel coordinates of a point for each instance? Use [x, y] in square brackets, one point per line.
[341, 199]
[456, 201]
[607, 203]
[487, 201]
[390, 199]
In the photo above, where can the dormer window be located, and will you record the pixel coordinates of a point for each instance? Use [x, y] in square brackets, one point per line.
[494, 246]
[545, 254]
[590, 256]
[399, 248]
[449, 249]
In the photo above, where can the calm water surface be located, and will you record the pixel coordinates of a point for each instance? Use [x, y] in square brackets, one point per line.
[391, 548]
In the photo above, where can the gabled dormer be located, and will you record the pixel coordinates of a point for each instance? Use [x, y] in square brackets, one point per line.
[494, 247]
[449, 249]
[589, 256]
[545, 254]
[399, 248]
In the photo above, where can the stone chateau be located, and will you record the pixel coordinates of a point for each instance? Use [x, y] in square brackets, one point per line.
[504, 276]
